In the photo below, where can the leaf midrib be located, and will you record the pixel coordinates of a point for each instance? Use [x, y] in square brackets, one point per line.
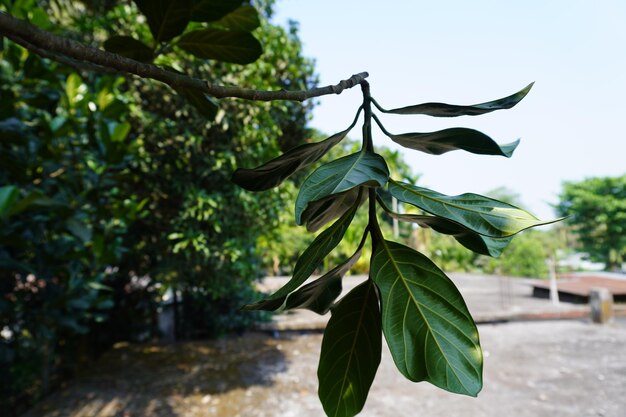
[417, 305]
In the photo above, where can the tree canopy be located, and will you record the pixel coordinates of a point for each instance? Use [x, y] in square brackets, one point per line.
[597, 212]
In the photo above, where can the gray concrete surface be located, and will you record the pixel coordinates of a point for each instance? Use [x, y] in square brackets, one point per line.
[489, 299]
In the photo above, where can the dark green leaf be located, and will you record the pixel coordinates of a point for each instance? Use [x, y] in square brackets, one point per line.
[166, 18]
[79, 230]
[212, 10]
[319, 295]
[319, 213]
[130, 48]
[351, 351]
[428, 329]
[308, 261]
[437, 143]
[478, 213]
[222, 45]
[8, 196]
[11, 129]
[278, 169]
[343, 174]
[207, 106]
[245, 19]
[451, 110]
[471, 240]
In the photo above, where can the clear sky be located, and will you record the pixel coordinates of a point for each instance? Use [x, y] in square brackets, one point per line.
[466, 52]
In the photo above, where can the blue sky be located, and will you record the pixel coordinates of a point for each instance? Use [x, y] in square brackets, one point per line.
[571, 124]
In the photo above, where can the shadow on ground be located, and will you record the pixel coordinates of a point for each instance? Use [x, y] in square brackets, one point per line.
[158, 380]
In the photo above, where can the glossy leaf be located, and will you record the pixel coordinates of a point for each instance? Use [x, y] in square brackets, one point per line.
[130, 48]
[244, 18]
[319, 295]
[343, 174]
[471, 240]
[351, 351]
[308, 262]
[440, 142]
[212, 10]
[11, 129]
[321, 212]
[222, 45]
[207, 106]
[451, 110]
[274, 172]
[8, 196]
[166, 18]
[478, 213]
[428, 329]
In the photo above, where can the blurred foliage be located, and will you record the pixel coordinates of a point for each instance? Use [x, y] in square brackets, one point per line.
[116, 191]
[597, 214]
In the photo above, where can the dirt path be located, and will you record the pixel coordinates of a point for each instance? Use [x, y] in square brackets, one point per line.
[549, 368]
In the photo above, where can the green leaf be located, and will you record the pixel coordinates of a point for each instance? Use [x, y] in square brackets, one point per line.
[319, 213]
[471, 240]
[119, 131]
[319, 295]
[8, 196]
[440, 142]
[244, 18]
[343, 174]
[207, 106]
[11, 129]
[78, 229]
[222, 45]
[308, 261]
[130, 48]
[351, 351]
[428, 329]
[166, 18]
[74, 89]
[478, 213]
[274, 172]
[212, 10]
[451, 110]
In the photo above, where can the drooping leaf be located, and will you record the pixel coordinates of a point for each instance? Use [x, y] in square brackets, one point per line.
[212, 10]
[130, 48]
[351, 351]
[319, 295]
[308, 262]
[321, 212]
[430, 333]
[451, 110]
[166, 18]
[222, 45]
[244, 18]
[206, 105]
[274, 172]
[8, 196]
[361, 168]
[478, 213]
[471, 240]
[442, 141]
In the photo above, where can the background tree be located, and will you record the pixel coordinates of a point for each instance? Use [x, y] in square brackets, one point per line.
[597, 213]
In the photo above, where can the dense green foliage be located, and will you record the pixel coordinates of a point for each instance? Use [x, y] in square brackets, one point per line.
[115, 192]
[597, 210]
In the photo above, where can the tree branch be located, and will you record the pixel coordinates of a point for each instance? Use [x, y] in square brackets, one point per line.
[68, 51]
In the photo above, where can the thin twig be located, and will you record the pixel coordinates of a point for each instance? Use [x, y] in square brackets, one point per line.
[68, 51]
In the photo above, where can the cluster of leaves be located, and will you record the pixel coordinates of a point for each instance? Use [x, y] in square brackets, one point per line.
[64, 149]
[429, 331]
[105, 205]
[598, 216]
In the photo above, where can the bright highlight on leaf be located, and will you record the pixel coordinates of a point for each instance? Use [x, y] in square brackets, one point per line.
[361, 168]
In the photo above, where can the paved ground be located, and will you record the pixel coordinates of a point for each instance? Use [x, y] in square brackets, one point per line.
[489, 299]
[532, 368]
